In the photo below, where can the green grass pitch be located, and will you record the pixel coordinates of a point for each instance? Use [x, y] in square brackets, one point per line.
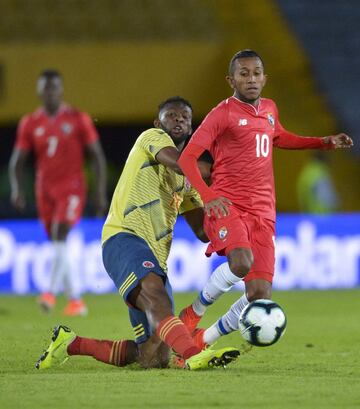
[315, 365]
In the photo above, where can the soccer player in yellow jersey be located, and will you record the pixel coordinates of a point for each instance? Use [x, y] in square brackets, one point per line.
[136, 238]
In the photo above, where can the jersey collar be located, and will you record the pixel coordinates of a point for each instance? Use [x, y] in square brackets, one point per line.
[254, 109]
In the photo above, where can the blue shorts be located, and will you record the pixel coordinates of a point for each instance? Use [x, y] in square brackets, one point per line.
[127, 259]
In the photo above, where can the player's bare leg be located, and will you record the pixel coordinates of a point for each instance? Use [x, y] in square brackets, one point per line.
[150, 296]
[258, 289]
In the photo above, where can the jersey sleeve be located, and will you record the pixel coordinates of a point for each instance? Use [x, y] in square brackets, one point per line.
[191, 201]
[88, 130]
[153, 140]
[23, 135]
[211, 127]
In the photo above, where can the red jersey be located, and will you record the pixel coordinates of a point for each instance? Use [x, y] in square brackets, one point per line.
[58, 143]
[240, 138]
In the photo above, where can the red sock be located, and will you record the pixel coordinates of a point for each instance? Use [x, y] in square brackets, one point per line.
[174, 333]
[110, 352]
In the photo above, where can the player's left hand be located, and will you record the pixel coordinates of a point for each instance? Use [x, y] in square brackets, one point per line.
[340, 140]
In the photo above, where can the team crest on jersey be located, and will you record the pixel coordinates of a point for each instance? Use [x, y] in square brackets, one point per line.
[187, 185]
[223, 233]
[148, 264]
[271, 119]
[66, 128]
[39, 131]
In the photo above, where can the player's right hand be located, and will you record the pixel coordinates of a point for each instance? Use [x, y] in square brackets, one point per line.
[218, 207]
[18, 201]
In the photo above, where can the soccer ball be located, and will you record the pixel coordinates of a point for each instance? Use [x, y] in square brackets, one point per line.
[262, 323]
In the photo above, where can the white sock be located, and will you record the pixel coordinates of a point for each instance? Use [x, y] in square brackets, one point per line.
[229, 322]
[61, 275]
[220, 282]
[58, 269]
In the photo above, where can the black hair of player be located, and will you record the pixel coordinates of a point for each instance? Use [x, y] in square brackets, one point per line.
[50, 74]
[247, 53]
[175, 100]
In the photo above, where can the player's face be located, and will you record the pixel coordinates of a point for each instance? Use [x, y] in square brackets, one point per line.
[50, 91]
[175, 120]
[248, 79]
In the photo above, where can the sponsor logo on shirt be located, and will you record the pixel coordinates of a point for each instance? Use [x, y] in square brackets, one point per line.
[66, 128]
[242, 122]
[271, 119]
[223, 233]
[39, 131]
[148, 264]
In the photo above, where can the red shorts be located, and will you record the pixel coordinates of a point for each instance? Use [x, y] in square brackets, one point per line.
[241, 229]
[62, 207]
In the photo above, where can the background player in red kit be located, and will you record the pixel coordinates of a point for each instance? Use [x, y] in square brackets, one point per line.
[240, 134]
[58, 135]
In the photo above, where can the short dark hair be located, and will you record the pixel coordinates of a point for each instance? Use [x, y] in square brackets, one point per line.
[176, 100]
[247, 53]
[50, 73]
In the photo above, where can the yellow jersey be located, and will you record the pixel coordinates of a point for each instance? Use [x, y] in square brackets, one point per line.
[149, 196]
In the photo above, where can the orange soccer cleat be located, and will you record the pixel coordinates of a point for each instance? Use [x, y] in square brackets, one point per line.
[46, 301]
[198, 337]
[189, 317]
[75, 307]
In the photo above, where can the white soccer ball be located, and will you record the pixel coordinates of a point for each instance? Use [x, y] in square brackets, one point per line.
[262, 323]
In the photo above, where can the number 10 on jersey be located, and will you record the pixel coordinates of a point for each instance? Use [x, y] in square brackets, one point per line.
[262, 145]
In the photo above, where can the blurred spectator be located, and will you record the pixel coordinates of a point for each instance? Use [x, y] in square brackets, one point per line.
[58, 135]
[315, 188]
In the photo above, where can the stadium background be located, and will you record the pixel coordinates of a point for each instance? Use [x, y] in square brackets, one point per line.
[119, 59]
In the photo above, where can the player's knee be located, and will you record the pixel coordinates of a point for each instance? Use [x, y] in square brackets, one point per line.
[240, 268]
[240, 261]
[158, 302]
[258, 293]
[158, 360]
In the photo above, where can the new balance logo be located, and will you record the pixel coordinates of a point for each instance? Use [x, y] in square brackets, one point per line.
[242, 122]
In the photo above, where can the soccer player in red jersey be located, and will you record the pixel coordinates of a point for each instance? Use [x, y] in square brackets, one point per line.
[240, 134]
[58, 135]
[137, 236]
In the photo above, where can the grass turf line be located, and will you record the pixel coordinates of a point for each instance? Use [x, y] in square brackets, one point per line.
[315, 365]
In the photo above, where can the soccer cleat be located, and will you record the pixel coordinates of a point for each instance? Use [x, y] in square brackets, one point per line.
[56, 354]
[211, 358]
[46, 301]
[189, 317]
[198, 338]
[75, 307]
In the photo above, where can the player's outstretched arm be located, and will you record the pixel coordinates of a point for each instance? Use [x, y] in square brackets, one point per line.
[169, 157]
[16, 176]
[287, 140]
